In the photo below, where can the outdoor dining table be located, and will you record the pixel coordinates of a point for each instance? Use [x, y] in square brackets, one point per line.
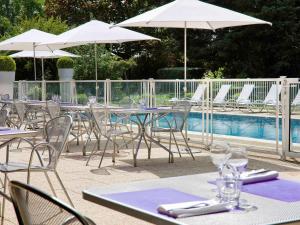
[277, 201]
[144, 118]
[8, 135]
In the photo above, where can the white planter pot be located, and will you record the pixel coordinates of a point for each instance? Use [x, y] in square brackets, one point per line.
[65, 87]
[65, 74]
[7, 79]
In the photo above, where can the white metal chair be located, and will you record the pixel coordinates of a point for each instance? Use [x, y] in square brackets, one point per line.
[53, 109]
[110, 131]
[174, 123]
[27, 118]
[57, 131]
[33, 206]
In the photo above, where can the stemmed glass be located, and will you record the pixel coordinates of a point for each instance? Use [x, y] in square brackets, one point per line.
[220, 154]
[238, 160]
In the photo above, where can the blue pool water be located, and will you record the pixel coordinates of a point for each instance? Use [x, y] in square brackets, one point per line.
[244, 126]
[241, 126]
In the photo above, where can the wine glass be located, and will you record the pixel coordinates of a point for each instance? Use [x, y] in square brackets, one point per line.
[238, 160]
[219, 154]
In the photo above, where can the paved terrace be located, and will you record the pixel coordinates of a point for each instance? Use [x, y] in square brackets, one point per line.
[77, 177]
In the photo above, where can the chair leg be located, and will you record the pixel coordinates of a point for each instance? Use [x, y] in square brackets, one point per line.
[176, 144]
[64, 189]
[92, 153]
[3, 201]
[114, 153]
[188, 147]
[50, 184]
[104, 150]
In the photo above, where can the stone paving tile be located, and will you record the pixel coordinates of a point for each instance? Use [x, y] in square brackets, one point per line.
[77, 176]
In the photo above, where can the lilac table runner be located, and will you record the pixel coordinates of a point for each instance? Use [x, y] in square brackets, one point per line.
[278, 189]
[149, 200]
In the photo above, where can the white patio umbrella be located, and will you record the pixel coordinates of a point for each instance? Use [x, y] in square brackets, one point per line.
[190, 14]
[95, 32]
[27, 41]
[43, 55]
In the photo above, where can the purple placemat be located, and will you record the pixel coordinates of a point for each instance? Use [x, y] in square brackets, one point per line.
[278, 189]
[149, 200]
[13, 131]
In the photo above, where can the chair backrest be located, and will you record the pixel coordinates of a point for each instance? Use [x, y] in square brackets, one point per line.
[3, 117]
[33, 206]
[222, 93]
[57, 131]
[100, 117]
[271, 97]
[53, 109]
[296, 100]
[245, 93]
[199, 93]
[20, 107]
[182, 110]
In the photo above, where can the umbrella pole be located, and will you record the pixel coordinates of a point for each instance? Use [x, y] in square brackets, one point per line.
[34, 61]
[185, 37]
[96, 68]
[43, 72]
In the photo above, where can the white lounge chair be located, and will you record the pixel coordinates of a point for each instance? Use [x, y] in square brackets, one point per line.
[269, 101]
[197, 97]
[271, 98]
[220, 99]
[244, 98]
[296, 101]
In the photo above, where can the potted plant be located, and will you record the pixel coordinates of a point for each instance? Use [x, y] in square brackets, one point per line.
[65, 68]
[7, 75]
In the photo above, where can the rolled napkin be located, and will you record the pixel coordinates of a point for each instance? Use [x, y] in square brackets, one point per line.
[195, 208]
[255, 176]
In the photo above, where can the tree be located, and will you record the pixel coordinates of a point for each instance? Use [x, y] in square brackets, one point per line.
[110, 66]
[25, 66]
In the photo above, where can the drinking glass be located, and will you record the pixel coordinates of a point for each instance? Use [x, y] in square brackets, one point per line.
[229, 189]
[219, 154]
[238, 160]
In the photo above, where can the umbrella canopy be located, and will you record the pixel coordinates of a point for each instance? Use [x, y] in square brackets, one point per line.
[191, 14]
[27, 41]
[43, 54]
[94, 32]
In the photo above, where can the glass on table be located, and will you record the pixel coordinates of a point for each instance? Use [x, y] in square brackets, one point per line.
[238, 159]
[229, 189]
[220, 154]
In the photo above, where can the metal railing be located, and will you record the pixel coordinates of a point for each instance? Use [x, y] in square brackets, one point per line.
[159, 92]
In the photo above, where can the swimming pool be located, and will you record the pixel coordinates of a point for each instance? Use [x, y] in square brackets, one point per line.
[244, 126]
[257, 127]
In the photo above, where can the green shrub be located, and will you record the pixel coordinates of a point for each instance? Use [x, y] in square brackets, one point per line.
[65, 62]
[82, 99]
[7, 63]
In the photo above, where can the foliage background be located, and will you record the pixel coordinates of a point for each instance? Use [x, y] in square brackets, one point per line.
[250, 51]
